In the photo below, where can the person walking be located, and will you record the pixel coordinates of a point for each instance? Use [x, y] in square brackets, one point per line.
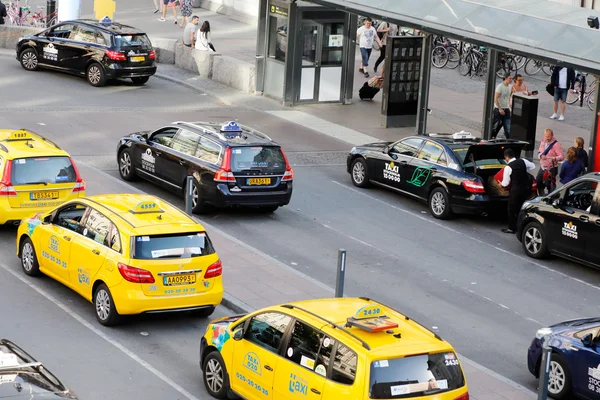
[502, 106]
[571, 168]
[189, 32]
[156, 9]
[203, 41]
[563, 80]
[186, 11]
[169, 4]
[388, 29]
[365, 35]
[549, 153]
[518, 181]
[582, 155]
[519, 86]
[3, 13]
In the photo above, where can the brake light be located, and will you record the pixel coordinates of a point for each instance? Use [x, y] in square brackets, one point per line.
[224, 173]
[289, 172]
[6, 187]
[116, 55]
[79, 182]
[473, 186]
[152, 55]
[215, 269]
[463, 397]
[135, 275]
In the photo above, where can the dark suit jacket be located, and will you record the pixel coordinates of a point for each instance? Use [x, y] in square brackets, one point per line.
[570, 77]
[2, 13]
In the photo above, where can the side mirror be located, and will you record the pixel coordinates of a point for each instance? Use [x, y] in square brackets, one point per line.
[556, 203]
[587, 340]
[393, 155]
[238, 335]
[47, 219]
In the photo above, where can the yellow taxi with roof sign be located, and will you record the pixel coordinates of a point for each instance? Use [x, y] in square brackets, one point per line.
[36, 175]
[339, 348]
[126, 253]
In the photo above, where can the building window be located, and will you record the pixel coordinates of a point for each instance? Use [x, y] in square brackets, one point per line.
[278, 33]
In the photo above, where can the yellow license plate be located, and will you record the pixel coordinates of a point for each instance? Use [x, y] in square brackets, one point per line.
[259, 181]
[138, 58]
[179, 279]
[43, 195]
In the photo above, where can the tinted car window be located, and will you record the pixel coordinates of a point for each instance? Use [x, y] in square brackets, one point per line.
[266, 330]
[178, 245]
[70, 217]
[580, 195]
[408, 147]
[164, 137]
[261, 158]
[185, 142]
[114, 241]
[209, 151]
[124, 42]
[83, 33]
[61, 31]
[344, 365]
[304, 346]
[97, 227]
[432, 152]
[42, 169]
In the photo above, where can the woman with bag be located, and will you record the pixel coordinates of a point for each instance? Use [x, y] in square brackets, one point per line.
[171, 4]
[550, 153]
[186, 11]
[203, 41]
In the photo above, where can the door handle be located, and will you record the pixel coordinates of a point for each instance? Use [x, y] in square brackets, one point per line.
[584, 218]
[181, 162]
[158, 153]
[597, 222]
[315, 391]
[67, 238]
[403, 162]
[96, 252]
[268, 368]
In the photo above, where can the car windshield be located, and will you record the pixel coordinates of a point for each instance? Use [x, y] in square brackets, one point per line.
[415, 376]
[179, 245]
[134, 40]
[37, 170]
[263, 159]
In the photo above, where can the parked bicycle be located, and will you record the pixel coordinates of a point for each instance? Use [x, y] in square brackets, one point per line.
[532, 67]
[445, 53]
[583, 91]
[41, 20]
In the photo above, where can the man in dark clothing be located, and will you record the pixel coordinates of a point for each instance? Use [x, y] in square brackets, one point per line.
[518, 180]
[563, 80]
[2, 13]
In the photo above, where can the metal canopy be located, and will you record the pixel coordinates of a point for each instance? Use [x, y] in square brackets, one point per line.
[541, 29]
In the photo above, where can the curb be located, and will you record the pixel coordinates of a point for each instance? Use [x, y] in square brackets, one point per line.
[192, 87]
[235, 305]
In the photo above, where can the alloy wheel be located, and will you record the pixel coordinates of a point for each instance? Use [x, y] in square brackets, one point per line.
[94, 74]
[102, 304]
[29, 60]
[438, 203]
[125, 164]
[533, 240]
[214, 375]
[358, 173]
[556, 382]
[27, 258]
[194, 196]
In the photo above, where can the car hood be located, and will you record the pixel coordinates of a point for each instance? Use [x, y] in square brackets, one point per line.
[374, 146]
[493, 150]
[31, 385]
[575, 325]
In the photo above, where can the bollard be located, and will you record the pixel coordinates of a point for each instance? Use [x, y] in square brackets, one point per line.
[544, 371]
[341, 272]
[50, 10]
[189, 193]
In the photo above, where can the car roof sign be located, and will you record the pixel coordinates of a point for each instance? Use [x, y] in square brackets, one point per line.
[462, 135]
[146, 207]
[106, 21]
[21, 134]
[231, 130]
[370, 318]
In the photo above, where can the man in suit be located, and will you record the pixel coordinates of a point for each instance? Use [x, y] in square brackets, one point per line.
[519, 180]
[563, 80]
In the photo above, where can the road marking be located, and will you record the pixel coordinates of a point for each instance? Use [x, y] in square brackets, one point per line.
[104, 336]
[526, 259]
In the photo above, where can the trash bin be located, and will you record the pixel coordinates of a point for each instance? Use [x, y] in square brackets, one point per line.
[524, 120]
[50, 10]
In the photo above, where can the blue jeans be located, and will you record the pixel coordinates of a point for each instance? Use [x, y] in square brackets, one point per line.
[365, 54]
[499, 121]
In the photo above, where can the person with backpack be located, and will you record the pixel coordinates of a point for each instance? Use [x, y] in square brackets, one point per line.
[384, 30]
[550, 154]
[518, 180]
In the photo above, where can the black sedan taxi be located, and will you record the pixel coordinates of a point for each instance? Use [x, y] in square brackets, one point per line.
[565, 223]
[575, 358]
[232, 165]
[451, 172]
[100, 51]
[22, 377]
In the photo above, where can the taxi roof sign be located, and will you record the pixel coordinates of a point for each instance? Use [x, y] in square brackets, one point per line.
[231, 126]
[462, 135]
[145, 207]
[371, 319]
[106, 21]
[21, 134]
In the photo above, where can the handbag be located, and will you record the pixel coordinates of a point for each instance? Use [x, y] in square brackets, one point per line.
[173, 3]
[212, 47]
[375, 45]
[550, 89]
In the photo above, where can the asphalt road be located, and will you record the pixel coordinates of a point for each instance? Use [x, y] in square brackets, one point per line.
[463, 277]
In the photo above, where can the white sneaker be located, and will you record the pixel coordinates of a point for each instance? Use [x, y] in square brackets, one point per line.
[553, 116]
[162, 19]
[561, 118]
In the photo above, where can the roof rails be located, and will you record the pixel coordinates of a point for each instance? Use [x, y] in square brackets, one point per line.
[333, 325]
[254, 132]
[194, 126]
[31, 133]
[405, 317]
[246, 130]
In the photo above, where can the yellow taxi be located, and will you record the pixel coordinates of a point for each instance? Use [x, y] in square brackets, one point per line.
[340, 348]
[37, 175]
[126, 253]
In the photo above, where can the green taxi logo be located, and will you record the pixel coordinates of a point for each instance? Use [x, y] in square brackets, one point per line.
[420, 176]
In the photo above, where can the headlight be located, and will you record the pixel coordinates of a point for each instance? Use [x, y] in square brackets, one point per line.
[353, 150]
[543, 332]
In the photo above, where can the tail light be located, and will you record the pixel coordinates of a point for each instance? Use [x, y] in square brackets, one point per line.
[116, 55]
[224, 173]
[135, 275]
[289, 172]
[152, 55]
[463, 397]
[473, 186]
[215, 269]
[79, 182]
[6, 187]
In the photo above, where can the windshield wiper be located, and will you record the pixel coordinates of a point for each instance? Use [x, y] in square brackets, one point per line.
[36, 183]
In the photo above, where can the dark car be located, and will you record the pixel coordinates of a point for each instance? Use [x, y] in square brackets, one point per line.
[565, 223]
[232, 165]
[575, 358]
[22, 377]
[97, 50]
[449, 172]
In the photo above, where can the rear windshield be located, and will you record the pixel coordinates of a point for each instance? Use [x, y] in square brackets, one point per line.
[415, 376]
[36, 170]
[261, 159]
[136, 40]
[180, 245]
[461, 153]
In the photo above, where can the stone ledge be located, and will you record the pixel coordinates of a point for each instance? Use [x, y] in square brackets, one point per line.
[165, 50]
[204, 62]
[9, 35]
[235, 73]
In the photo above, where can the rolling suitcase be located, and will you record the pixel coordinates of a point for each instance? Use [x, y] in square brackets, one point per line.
[367, 92]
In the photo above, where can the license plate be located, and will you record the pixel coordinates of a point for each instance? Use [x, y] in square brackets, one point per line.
[138, 58]
[258, 181]
[172, 280]
[43, 195]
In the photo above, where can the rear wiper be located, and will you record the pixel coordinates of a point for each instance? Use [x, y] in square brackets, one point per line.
[36, 183]
[169, 256]
[251, 170]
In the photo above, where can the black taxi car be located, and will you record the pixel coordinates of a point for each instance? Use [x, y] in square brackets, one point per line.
[100, 51]
[450, 172]
[565, 223]
[232, 165]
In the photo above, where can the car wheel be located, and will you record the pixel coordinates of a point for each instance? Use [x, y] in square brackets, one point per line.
[203, 312]
[95, 75]
[29, 60]
[126, 165]
[106, 312]
[559, 382]
[140, 80]
[534, 240]
[359, 173]
[198, 205]
[29, 260]
[439, 203]
[215, 375]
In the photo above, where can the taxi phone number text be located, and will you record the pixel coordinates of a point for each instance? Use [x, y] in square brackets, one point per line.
[252, 384]
[391, 176]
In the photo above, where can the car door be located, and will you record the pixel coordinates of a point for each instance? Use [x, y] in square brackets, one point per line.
[177, 161]
[256, 356]
[209, 155]
[591, 230]
[56, 238]
[423, 169]
[80, 48]
[397, 169]
[52, 48]
[584, 363]
[147, 155]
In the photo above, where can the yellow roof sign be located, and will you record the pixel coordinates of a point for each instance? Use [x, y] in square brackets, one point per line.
[368, 312]
[144, 207]
[21, 134]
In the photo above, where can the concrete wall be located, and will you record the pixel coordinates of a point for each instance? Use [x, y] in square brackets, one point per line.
[9, 35]
[240, 10]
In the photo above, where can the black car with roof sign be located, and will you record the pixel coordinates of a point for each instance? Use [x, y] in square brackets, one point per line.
[100, 51]
[22, 377]
[451, 172]
[232, 165]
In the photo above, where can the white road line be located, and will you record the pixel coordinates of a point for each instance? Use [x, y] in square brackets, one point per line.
[104, 336]
[526, 259]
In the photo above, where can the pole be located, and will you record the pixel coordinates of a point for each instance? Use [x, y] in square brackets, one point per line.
[490, 88]
[189, 194]
[341, 272]
[424, 80]
[544, 371]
